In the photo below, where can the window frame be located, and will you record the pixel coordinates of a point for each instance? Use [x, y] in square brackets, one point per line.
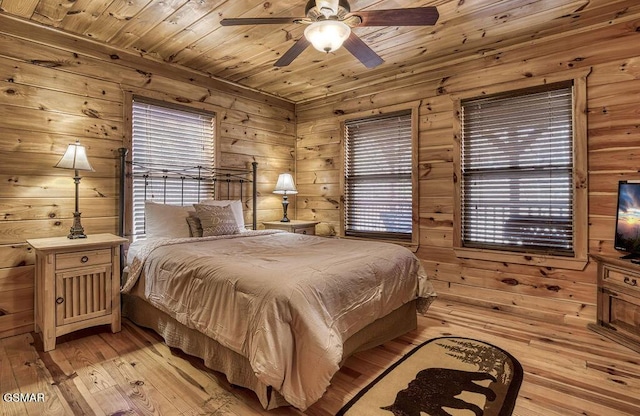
[160, 100]
[413, 108]
[580, 175]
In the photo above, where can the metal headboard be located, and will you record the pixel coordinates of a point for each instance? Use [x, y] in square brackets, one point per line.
[219, 177]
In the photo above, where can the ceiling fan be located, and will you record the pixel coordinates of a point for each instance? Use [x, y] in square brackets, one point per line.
[329, 26]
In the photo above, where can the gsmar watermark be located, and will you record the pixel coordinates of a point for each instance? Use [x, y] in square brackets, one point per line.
[23, 397]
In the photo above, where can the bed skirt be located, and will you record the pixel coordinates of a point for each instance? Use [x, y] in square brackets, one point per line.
[235, 366]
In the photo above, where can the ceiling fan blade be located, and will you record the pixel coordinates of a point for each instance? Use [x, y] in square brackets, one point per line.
[240, 21]
[416, 16]
[362, 51]
[293, 52]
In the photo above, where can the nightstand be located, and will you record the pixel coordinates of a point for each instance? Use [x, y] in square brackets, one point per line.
[77, 284]
[293, 226]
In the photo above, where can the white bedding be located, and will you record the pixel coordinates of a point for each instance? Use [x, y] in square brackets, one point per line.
[285, 301]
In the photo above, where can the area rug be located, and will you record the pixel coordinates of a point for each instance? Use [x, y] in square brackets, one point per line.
[443, 377]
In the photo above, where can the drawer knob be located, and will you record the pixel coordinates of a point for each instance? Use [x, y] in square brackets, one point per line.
[59, 300]
[629, 281]
[84, 259]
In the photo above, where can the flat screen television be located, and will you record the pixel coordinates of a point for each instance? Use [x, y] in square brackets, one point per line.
[627, 237]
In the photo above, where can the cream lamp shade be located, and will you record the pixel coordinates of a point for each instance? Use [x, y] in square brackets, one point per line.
[75, 158]
[285, 185]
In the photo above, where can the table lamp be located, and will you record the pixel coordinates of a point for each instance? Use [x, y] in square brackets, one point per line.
[285, 186]
[75, 158]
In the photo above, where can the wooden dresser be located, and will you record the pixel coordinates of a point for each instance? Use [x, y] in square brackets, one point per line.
[77, 284]
[618, 301]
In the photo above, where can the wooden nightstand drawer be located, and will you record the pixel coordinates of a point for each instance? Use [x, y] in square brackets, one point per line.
[82, 259]
[305, 230]
[626, 279]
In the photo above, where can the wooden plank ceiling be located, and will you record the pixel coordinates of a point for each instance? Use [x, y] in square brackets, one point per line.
[188, 33]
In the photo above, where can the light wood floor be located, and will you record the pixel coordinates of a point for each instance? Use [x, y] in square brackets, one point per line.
[568, 370]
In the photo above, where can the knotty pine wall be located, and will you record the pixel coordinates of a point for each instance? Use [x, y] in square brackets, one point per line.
[56, 88]
[556, 294]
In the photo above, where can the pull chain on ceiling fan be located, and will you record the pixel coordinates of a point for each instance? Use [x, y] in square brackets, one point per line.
[329, 27]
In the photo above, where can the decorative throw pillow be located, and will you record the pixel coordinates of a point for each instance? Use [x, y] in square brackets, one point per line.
[195, 226]
[216, 220]
[236, 207]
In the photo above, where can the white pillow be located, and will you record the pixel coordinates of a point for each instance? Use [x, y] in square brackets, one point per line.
[163, 220]
[236, 207]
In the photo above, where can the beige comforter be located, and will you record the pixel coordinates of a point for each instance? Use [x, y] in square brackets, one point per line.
[285, 301]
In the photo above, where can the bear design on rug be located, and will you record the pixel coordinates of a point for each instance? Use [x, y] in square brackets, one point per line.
[435, 388]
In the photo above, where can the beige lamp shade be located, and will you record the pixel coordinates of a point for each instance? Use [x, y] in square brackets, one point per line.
[75, 158]
[285, 185]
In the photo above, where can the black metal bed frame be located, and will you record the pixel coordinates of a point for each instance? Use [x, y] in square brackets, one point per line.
[183, 174]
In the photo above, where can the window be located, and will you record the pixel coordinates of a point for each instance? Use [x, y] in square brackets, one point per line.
[517, 171]
[165, 137]
[378, 177]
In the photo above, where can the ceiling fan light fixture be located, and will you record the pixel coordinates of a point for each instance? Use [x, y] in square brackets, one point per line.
[327, 35]
[329, 27]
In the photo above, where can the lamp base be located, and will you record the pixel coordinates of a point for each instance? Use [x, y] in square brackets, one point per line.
[285, 204]
[76, 231]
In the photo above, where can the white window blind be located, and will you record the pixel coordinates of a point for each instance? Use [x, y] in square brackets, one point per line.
[378, 183]
[517, 171]
[177, 140]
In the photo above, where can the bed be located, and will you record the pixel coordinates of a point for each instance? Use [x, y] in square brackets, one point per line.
[275, 312]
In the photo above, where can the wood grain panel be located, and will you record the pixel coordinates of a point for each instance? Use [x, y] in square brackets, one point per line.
[309, 139]
[18, 209]
[171, 34]
[42, 99]
[21, 118]
[134, 70]
[607, 182]
[190, 34]
[27, 73]
[30, 141]
[82, 14]
[55, 89]
[613, 144]
[59, 182]
[16, 300]
[16, 278]
[16, 255]
[438, 205]
[145, 21]
[24, 8]
[250, 147]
